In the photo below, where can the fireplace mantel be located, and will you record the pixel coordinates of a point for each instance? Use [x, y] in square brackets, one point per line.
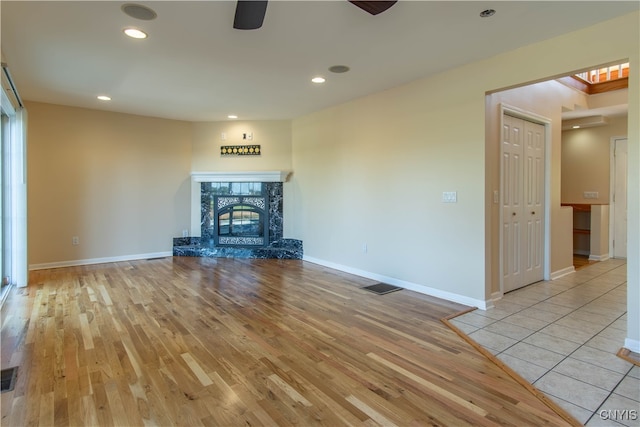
[246, 176]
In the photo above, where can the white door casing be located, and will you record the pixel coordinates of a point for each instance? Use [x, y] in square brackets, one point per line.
[523, 179]
[618, 218]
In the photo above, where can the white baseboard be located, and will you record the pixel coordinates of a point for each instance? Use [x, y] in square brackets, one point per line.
[77, 262]
[602, 257]
[633, 345]
[496, 296]
[5, 294]
[563, 272]
[438, 293]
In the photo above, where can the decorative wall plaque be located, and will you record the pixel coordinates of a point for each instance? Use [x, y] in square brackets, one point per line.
[240, 150]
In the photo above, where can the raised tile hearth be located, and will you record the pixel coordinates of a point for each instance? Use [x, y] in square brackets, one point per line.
[281, 249]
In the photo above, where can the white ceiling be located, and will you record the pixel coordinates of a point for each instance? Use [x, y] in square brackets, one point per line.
[194, 66]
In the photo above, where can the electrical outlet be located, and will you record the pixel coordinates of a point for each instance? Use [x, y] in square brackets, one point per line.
[185, 233]
[364, 248]
[75, 240]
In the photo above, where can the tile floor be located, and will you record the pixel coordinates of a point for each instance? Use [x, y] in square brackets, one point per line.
[563, 336]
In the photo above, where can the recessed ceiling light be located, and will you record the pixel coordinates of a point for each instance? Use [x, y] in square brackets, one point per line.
[104, 98]
[487, 13]
[135, 33]
[339, 69]
[232, 116]
[318, 79]
[139, 11]
[576, 127]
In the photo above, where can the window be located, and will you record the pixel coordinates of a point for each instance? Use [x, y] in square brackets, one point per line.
[5, 260]
[236, 188]
[13, 192]
[240, 220]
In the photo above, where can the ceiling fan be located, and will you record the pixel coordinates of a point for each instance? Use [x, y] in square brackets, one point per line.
[250, 13]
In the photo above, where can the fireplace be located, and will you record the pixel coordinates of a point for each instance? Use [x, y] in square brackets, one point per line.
[241, 216]
[240, 221]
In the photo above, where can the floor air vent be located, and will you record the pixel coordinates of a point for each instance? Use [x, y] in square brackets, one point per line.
[9, 379]
[381, 288]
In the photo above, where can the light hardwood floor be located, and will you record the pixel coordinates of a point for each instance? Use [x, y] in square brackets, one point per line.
[224, 342]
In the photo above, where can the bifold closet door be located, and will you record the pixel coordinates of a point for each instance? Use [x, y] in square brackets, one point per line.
[522, 172]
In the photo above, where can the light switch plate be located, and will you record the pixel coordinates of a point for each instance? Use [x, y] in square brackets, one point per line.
[590, 194]
[449, 197]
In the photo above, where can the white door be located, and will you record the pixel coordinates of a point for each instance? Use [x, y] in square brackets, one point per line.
[522, 202]
[533, 208]
[619, 199]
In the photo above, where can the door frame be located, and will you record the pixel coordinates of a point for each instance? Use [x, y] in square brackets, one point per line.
[612, 171]
[546, 122]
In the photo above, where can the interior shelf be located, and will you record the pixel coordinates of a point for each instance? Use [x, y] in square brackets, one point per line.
[590, 232]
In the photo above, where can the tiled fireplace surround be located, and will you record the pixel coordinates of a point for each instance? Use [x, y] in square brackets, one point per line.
[205, 246]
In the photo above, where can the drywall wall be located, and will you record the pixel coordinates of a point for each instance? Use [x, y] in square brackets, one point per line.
[370, 176]
[274, 138]
[585, 161]
[118, 182]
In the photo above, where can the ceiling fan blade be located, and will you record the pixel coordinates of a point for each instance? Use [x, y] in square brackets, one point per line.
[249, 14]
[373, 7]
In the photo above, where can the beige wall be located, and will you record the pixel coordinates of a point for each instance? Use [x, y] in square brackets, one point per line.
[585, 161]
[274, 138]
[119, 182]
[373, 170]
